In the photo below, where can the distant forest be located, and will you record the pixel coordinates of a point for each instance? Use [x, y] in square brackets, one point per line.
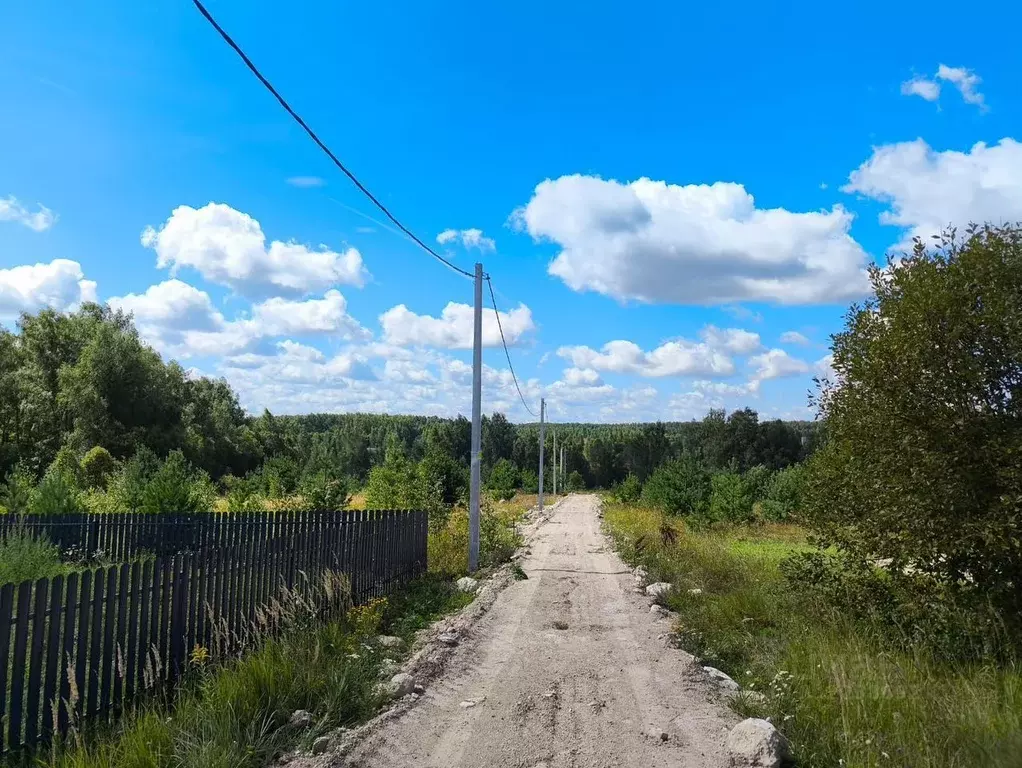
[70, 383]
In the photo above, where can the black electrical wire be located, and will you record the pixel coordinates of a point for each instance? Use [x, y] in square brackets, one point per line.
[248, 62]
[506, 352]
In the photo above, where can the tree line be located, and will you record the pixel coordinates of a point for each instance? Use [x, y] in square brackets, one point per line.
[86, 405]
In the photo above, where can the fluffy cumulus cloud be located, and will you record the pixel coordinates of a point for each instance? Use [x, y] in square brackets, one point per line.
[695, 244]
[776, 364]
[181, 320]
[926, 190]
[582, 377]
[453, 329]
[228, 247]
[794, 337]
[469, 238]
[39, 221]
[735, 340]
[31, 287]
[921, 87]
[674, 358]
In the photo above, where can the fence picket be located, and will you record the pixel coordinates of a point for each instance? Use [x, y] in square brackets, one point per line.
[6, 619]
[35, 668]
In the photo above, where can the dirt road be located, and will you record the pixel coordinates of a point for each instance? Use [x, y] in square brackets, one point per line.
[568, 668]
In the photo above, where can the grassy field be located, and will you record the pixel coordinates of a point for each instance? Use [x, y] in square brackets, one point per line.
[839, 690]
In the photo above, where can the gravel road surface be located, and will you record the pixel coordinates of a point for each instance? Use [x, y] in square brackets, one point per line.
[567, 668]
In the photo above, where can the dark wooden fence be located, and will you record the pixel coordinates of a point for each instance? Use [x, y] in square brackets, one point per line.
[78, 648]
[119, 537]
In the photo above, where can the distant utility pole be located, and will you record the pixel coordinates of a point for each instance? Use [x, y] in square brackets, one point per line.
[555, 462]
[564, 476]
[542, 436]
[477, 422]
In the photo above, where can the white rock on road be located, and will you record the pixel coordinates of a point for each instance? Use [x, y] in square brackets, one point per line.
[402, 684]
[755, 743]
[467, 584]
[659, 591]
[721, 679]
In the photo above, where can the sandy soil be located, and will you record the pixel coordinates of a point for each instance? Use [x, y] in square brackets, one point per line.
[566, 668]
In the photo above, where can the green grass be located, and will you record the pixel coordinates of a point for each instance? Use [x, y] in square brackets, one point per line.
[836, 686]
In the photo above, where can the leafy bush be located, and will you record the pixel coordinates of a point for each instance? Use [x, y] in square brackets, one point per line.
[440, 473]
[757, 482]
[24, 557]
[243, 494]
[127, 486]
[323, 491]
[503, 480]
[281, 476]
[395, 484]
[97, 466]
[175, 487]
[529, 481]
[924, 419]
[56, 494]
[730, 500]
[16, 493]
[575, 482]
[628, 490]
[785, 491]
[678, 487]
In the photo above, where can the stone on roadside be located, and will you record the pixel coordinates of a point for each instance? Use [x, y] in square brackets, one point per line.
[389, 668]
[301, 718]
[641, 577]
[658, 610]
[419, 689]
[721, 679]
[390, 642]
[467, 584]
[468, 704]
[659, 591]
[448, 638]
[402, 684]
[755, 743]
[321, 745]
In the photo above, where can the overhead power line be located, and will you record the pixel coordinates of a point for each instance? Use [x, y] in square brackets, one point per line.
[507, 353]
[269, 86]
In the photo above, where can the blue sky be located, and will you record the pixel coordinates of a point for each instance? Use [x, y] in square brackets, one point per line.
[691, 187]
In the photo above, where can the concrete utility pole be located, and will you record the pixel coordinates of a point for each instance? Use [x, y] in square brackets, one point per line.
[477, 422]
[555, 462]
[564, 476]
[542, 436]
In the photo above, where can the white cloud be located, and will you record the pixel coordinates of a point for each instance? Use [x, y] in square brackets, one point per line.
[928, 190]
[722, 388]
[329, 315]
[965, 80]
[696, 244]
[921, 87]
[582, 377]
[470, 238]
[306, 182]
[12, 210]
[228, 247]
[31, 287]
[453, 329]
[794, 337]
[824, 367]
[675, 358]
[776, 364]
[735, 340]
[738, 312]
[180, 320]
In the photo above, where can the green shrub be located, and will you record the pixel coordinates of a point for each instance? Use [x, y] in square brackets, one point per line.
[97, 466]
[628, 491]
[529, 481]
[243, 494]
[575, 482]
[16, 493]
[322, 491]
[503, 480]
[923, 428]
[442, 474]
[56, 494]
[785, 490]
[757, 481]
[730, 500]
[24, 557]
[175, 487]
[126, 487]
[679, 487]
